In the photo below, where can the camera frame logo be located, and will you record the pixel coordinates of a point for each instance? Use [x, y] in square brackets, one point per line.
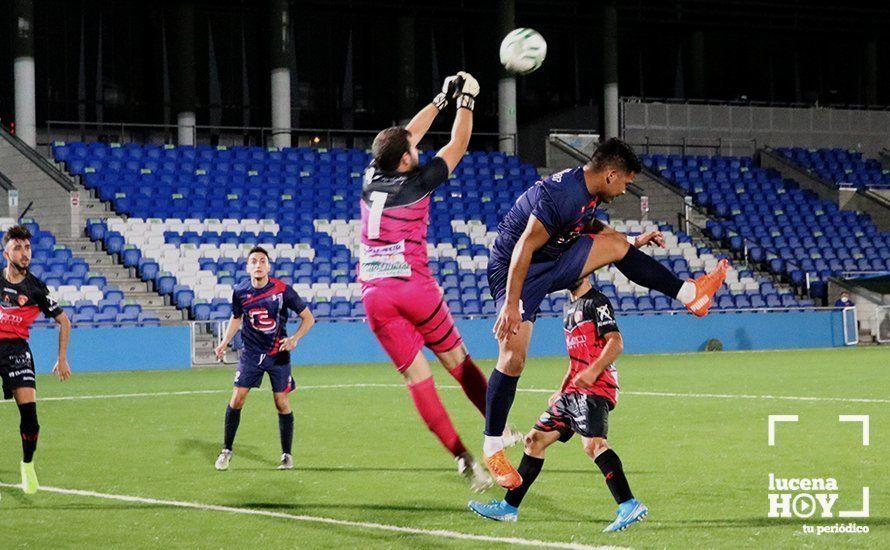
[814, 497]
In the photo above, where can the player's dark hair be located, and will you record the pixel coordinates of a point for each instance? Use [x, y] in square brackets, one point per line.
[574, 286]
[615, 153]
[258, 249]
[389, 146]
[19, 232]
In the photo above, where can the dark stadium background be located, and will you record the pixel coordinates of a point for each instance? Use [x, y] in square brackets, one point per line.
[103, 60]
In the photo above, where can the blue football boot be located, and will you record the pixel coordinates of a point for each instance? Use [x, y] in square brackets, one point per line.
[629, 513]
[498, 510]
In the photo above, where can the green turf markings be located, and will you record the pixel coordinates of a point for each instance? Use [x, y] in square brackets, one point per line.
[439, 533]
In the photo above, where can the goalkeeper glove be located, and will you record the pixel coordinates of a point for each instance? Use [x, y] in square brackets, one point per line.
[466, 90]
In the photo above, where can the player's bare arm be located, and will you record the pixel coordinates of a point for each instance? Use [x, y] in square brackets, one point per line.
[62, 369]
[420, 124]
[306, 322]
[510, 318]
[234, 327]
[466, 91]
[613, 348]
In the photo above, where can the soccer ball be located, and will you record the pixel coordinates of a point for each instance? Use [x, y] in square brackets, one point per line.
[523, 51]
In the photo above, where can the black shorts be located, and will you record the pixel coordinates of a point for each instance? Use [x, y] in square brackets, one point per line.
[16, 366]
[580, 413]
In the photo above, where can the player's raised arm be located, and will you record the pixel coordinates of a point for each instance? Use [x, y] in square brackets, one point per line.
[510, 317]
[466, 90]
[234, 327]
[420, 124]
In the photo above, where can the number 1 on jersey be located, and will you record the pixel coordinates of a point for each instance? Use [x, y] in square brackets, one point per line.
[378, 201]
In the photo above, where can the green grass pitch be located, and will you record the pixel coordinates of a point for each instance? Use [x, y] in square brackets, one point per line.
[699, 461]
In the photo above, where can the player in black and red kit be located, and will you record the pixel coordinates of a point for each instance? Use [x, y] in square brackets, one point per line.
[589, 391]
[22, 297]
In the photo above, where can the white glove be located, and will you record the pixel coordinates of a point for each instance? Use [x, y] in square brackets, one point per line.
[449, 90]
[467, 85]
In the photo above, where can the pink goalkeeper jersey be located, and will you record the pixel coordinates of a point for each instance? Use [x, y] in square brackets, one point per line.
[395, 217]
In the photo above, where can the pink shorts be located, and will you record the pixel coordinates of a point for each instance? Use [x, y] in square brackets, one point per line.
[408, 315]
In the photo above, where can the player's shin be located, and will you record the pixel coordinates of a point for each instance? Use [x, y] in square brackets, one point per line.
[472, 381]
[233, 418]
[429, 405]
[286, 431]
[529, 469]
[498, 401]
[29, 429]
[610, 465]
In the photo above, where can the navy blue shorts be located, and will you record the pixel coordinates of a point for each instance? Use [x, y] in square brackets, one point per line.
[542, 278]
[252, 366]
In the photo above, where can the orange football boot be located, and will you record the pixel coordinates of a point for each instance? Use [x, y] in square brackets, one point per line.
[705, 287]
[502, 471]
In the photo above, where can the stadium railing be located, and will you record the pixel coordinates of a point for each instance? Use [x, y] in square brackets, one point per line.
[882, 324]
[124, 132]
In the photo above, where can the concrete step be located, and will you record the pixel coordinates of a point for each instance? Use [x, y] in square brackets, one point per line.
[147, 299]
[205, 344]
[80, 245]
[165, 313]
[114, 271]
[97, 258]
[128, 286]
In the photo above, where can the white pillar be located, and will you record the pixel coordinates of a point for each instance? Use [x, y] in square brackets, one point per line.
[185, 126]
[281, 107]
[25, 100]
[507, 114]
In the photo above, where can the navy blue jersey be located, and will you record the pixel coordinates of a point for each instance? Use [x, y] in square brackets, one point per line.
[561, 203]
[266, 310]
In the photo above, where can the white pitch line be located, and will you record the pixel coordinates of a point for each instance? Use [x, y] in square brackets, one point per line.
[441, 533]
[452, 387]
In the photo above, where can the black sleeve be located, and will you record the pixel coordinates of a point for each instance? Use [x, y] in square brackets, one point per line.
[46, 301]
[600, 311]
[433, 174]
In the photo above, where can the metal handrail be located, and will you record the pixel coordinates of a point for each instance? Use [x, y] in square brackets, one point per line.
[864, 192]
[5, 183]
[751, 103]
[44, 165]
[264, 133]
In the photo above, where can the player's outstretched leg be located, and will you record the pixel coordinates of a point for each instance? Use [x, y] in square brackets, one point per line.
[419, 380]
[645, 271]
[30, 431]
[468, 375]
[499, 399]
[630, 510]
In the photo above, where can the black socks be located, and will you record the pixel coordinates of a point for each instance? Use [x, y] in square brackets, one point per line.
[286, 430]
[529, 469]
[647, 272]
[233, 418]
[30, 429]
[610, 465]
[498, 400]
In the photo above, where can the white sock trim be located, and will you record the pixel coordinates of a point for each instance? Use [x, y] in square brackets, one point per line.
[492, 444]
[687, 293]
